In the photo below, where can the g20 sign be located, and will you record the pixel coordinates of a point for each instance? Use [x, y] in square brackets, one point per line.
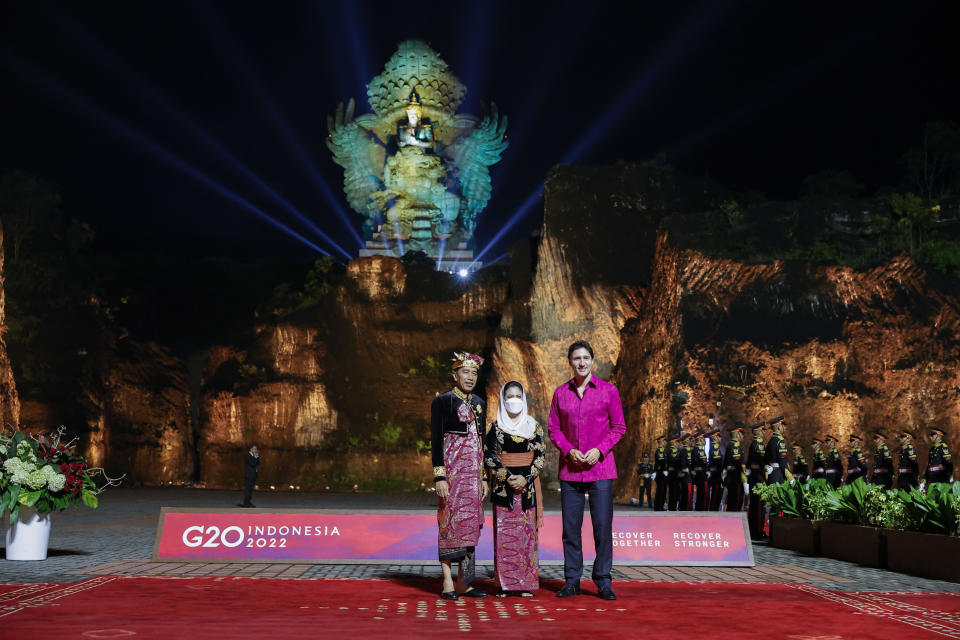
[410, 536]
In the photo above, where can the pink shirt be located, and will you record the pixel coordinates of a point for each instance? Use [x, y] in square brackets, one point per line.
[596, 421]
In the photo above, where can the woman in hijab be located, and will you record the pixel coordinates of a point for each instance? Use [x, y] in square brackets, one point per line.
[514, 454]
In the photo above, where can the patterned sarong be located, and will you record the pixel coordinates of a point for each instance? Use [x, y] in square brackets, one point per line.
[515, 546]
[461, 515]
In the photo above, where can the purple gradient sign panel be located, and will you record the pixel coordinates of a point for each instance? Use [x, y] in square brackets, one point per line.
[410, 537]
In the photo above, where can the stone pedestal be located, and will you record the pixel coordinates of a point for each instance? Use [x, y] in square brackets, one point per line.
[456, 256]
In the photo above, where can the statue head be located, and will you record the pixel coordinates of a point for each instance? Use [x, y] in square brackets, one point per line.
[414, 108]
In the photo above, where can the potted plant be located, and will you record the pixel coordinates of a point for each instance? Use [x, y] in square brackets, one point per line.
[932, 548]
[39, 475]
[852, 534]
[801, 507]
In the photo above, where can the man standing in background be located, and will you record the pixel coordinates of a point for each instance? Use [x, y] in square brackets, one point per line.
[251, 464]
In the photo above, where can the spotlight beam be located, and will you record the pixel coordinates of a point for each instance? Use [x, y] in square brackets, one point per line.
[280, 123]
[115, 125]
[531, 200]
[112, 61]
[677, 46]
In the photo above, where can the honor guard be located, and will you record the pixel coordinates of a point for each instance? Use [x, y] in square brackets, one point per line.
[939, 463]
[698, 462]
[882, 461]
[685, 474]
[775, 455]
[856, 462]
[673, 480]
[834, 468]
[754, 473]
[800, 469]
[734, 480]
[645, 471]
[908, 476]
[819, 460]
[660, 473]
[715, 470]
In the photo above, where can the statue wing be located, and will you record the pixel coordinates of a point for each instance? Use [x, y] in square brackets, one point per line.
[472, 154]
[360, 152]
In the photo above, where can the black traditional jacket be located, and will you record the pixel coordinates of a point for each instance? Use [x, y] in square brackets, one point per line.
[673, 459]
[698, 463]
[835, 462]
[497, 442]
[444, 419]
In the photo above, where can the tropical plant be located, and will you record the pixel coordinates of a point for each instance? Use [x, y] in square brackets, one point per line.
[935, 511]
[47, 474]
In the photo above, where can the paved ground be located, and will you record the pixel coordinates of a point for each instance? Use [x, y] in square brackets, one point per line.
[118, 538]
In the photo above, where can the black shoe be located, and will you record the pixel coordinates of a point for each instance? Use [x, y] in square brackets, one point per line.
[607, 594]
[473, 593]
[449, 595]
[569, 589]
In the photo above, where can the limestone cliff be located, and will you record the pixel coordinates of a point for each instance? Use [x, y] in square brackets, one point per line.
[9, 400]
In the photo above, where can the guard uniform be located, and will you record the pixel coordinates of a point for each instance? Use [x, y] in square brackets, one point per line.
[819, 460]
[684, 477]
[800, 469]
[673, 480]
[908, 476]
[939, 462]
[733, 477]
[882, 462]
[645, 471]
[755, 476]
[715, 472]
[775, 456]
[660, 474]
[856, 462]
[698, 462]
[834, 465]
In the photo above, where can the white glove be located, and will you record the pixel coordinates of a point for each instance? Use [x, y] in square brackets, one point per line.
[747, 472]
[792, 480]
[746, 488]
[923, 485]
[723, 475]
[646, 475]
[952, 480]
[768, 469]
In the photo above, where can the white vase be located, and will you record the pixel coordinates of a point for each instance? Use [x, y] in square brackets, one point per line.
[28, 537]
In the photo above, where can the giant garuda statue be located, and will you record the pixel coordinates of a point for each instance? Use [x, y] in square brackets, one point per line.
[415, 168]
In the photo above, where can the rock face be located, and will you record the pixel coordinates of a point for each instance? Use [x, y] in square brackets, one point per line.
[338, 395]
[9, 399]
[341, 396]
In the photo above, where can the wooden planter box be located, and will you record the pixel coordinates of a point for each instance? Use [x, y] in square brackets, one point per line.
[852, 543]
[929, 555]
[798, 534]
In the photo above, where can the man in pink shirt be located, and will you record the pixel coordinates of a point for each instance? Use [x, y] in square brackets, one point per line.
[586, 421]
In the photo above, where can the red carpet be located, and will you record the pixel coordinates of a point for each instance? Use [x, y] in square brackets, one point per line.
[165, 607]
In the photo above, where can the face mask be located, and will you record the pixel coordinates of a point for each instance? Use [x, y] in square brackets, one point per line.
[514, 405]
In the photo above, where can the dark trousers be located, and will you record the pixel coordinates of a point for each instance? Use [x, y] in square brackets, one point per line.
[716, 492]
[248, 490]
[885, 480]
[907, 481]
[755, 514]
[673, 494]
[734, 496]
[646, 491]
[701, 493]
[601, 517]
[685, 494]
[660, 495]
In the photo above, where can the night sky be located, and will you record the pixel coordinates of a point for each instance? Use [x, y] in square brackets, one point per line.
[99, 97]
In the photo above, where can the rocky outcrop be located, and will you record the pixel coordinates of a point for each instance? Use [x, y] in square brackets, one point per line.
[9, 399]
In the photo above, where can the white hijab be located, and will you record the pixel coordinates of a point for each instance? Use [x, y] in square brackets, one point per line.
[523, 426]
